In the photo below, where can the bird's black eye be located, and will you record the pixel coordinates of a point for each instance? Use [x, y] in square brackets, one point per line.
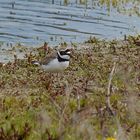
[62, 52]
[65, 52]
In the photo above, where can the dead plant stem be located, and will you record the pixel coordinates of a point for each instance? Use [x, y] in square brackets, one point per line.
[108, 103]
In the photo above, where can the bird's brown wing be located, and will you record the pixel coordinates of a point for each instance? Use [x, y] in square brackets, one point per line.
[48, 58]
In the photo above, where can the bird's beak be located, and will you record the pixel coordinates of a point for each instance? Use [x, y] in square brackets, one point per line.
[70, 55]
[69, 52]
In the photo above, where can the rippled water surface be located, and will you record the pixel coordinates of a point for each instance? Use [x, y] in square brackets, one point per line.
[32, 22]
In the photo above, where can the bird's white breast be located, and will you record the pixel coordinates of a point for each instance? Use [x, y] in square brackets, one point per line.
[55, 66]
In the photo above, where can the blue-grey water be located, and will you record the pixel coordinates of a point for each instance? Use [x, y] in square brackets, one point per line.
[31, 22]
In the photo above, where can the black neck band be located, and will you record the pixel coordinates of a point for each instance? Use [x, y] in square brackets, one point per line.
[60, 59]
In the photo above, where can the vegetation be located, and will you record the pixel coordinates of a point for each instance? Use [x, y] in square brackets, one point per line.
[124, 6]
[130, 7]
[96, 98]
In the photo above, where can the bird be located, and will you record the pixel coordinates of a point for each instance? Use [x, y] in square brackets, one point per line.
[55, 62]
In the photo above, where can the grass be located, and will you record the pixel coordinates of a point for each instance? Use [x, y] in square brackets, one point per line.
[96, 98]
[127, 7]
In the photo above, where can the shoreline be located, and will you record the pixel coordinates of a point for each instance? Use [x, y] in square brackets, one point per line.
[20, 50]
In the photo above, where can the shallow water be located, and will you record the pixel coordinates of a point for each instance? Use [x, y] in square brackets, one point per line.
[31, 22]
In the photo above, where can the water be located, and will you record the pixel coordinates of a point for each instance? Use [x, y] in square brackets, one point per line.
[31, 22]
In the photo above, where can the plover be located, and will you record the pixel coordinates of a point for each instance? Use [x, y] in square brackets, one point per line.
[55, 62]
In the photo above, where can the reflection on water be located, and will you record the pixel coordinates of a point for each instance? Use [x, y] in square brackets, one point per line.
[32, 22]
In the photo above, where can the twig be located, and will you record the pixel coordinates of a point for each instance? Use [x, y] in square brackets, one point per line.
[62, 114]
[68, 93]
[109, 107]
[57, 107]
